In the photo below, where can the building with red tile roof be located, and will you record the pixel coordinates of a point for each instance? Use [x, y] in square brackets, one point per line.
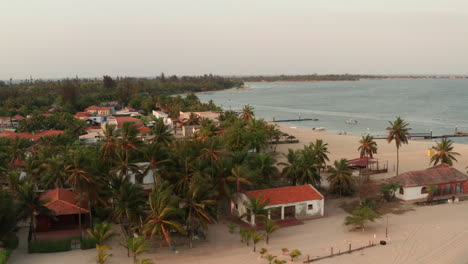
[83, 115]
[66, 207]
[29, 136]
[447, 180]
[303, 201]
[97, 110]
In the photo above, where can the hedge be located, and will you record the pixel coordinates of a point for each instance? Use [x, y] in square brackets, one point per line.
[4, 254]
[49, 246]
[11, 242]
[88, 243]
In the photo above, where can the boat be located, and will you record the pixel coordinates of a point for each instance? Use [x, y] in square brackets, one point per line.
[351, 121]
[318, 128]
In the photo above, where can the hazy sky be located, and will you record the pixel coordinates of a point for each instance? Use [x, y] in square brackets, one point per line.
[89, 38]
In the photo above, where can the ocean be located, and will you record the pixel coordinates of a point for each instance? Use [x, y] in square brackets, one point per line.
[437, 105]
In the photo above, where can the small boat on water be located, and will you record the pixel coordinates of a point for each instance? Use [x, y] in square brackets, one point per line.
[351, 121]
[318, 128]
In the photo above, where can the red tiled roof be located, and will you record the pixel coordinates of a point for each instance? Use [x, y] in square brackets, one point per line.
[361, 162]
[285, 195]
[144, 130]
[4, 117]
[93, 107]
[33, 137]
[439, 174]
[18, 117]
[83, 114]
[46, 115]
[64, 202]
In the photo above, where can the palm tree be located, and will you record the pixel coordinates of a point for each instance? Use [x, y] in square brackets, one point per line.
[264, 163]
[101, 232]
[137, 245]
[444, 153]
[160, 132]
[256, 237]
[257, 206]
[110, 139]
[163, 213]
[128, 203]
[294, 254]
[270, 258]
[157, 157]
[102, 256]
[367, 147]
[431, 189]
[30, 204]
[198, 206]
[238, 175]
[291, 169]
[270, 227]
[320, 149]
[340, 178]
[398, 131]
[247, 113]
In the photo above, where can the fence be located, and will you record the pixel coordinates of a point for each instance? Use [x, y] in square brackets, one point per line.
[349, 251]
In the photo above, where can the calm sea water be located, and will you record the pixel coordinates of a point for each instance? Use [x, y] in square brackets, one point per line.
[427, 104]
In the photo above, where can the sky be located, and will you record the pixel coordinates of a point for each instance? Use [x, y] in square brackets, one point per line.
[91, 38]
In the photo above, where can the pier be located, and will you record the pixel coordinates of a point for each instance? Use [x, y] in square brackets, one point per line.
[295, 120]
[430, 135]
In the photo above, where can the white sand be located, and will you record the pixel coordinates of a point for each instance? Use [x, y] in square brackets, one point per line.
[433, 234]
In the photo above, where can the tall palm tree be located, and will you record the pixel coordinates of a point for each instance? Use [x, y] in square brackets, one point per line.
[164, 213]
[340, 178]
[109, 142]
[29, 204]
[444, 153]
[257, 206]
[239, 176]
[160, 132]
[320, 150]
[367, 146]
[247, 113]
[157, 157]
[128, 203]
[291, 169]
[264, 163]
[54, 175]
[199, 206]
[398, 131]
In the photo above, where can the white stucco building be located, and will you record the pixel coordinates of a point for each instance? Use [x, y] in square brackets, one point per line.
[299, 202]
[447, 180]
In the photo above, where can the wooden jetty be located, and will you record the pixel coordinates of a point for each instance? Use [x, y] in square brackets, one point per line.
[430, 135]
[295, 120]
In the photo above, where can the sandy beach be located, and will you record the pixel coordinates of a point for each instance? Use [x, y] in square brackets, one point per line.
[430, 234]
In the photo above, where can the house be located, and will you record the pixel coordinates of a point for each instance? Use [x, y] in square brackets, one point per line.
[127, 111]
[211, 115]
[448, 181]
[144, 177]
[66, 207]
[299, 202]
[97, 110]
[165, 117]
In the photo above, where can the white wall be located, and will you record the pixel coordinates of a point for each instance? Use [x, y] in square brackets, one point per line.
[411, 193]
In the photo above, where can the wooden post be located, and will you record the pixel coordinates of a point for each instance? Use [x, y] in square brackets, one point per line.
[331, 251]
[386, 229]
[308, 259]
[349, 247]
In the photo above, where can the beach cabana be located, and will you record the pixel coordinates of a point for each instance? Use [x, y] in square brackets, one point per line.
[67, 209]
[299, 202]
[448, 181]
[368, 165]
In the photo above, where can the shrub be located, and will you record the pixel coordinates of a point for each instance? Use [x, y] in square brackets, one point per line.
[88, 243]
[11, 241]
[49, 246]
[4, 254]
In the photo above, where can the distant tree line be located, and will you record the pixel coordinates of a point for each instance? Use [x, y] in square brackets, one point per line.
[72, 95]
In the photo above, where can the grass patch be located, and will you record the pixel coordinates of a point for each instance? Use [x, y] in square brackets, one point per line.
[88, 243]
[381, 207]
[4, 255]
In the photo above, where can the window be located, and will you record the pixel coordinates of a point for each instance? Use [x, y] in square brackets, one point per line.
[237, 207]
[402, 191]
[423, 190]
[310, 207]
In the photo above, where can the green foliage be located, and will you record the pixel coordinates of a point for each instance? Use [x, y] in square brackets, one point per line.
[270, 258]
[263, 251]
[294, 254]
[8, 220]
[88, 243]
[367, 147]
[340, 179]
[232, 228]
[49, 246]
[100, 233]
[444, 153]
[388, 190]
[270, 227]
[360, 216]
[102, 255]
[4, 255]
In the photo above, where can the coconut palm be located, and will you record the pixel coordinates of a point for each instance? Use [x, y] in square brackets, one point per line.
[101, 232]
[340, 178]
[360, 216]
[367, 147]
[444, 153]
[264, 163]
[239, 176]
[256, 237]
[157, 156]
[263, 251]
[431, 189]
[164, 213]
[294, 254]
[161, 134]
[102, 255]
[109, 141]
[199, 206]
[320, 149]
[137, 245]
[291, 169]
[29, 204]
[398, 131]
[270, 258]
[256, 206]
[388, 190]
[247, 113]
[270, 227]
